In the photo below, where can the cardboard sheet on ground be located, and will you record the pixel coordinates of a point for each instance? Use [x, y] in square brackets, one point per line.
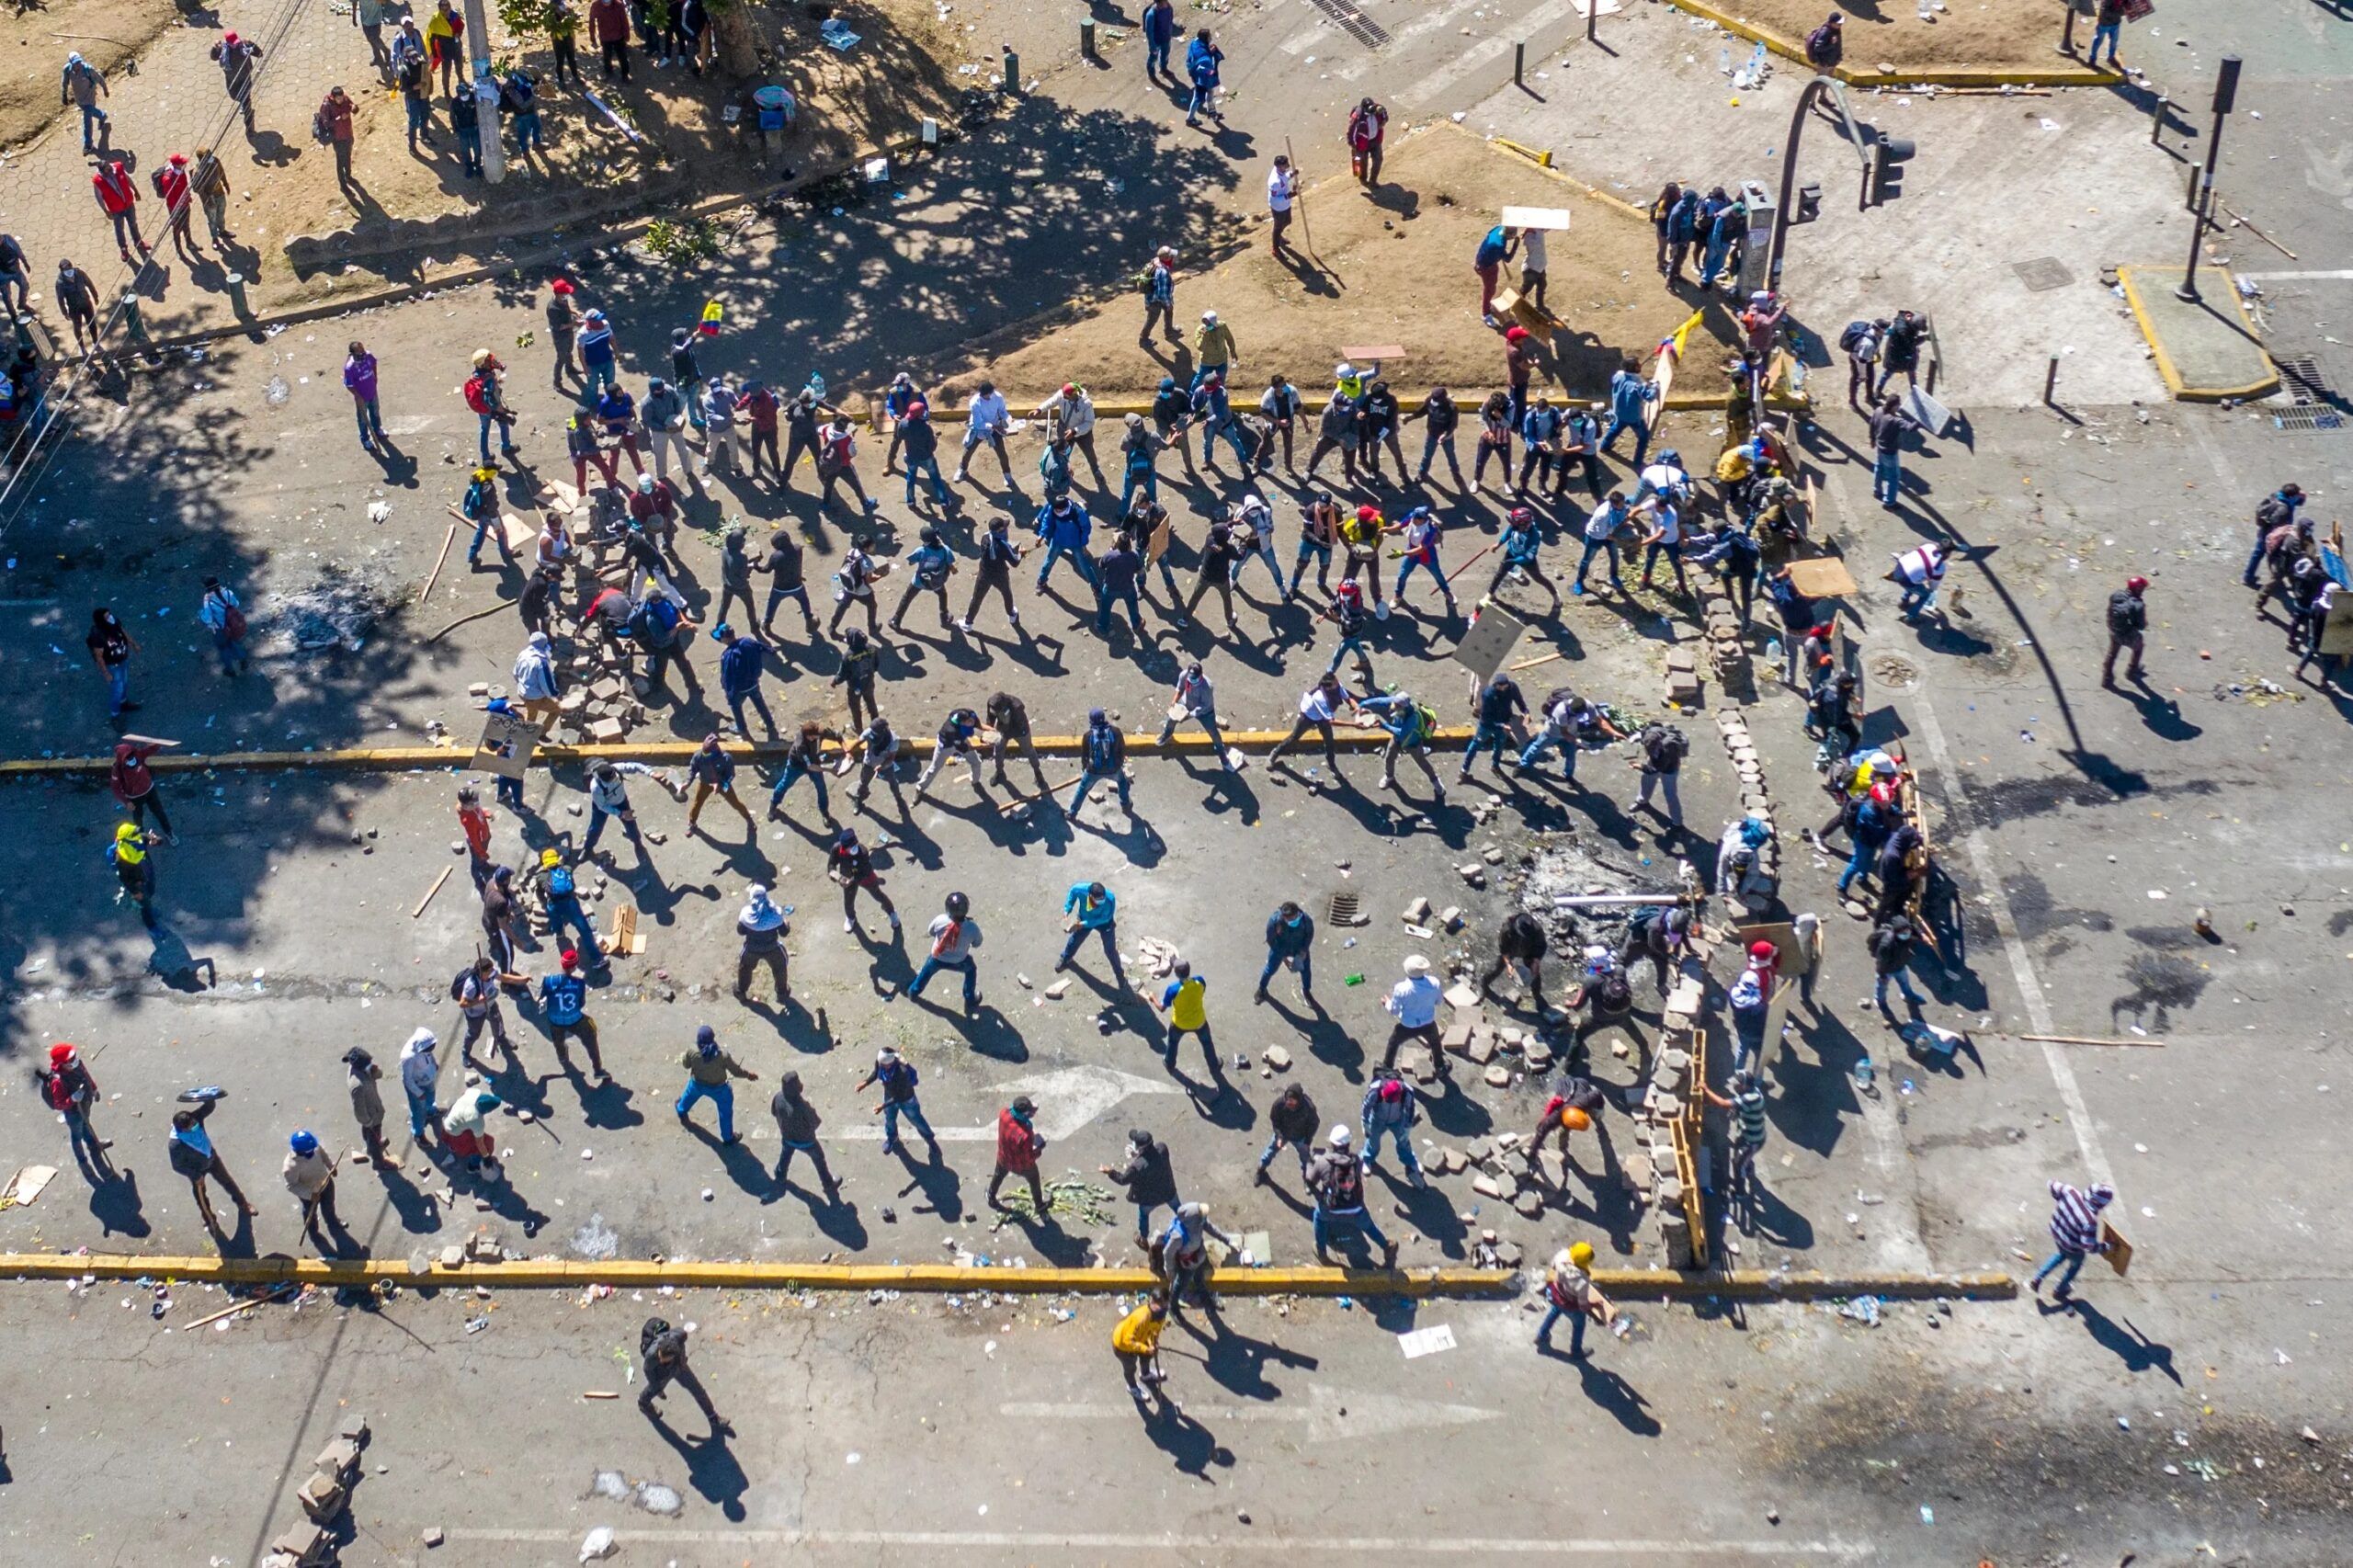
[506, 745]
[522, 538]
[1821, 577]
[1420, 1342]
[1933, 415]
[1489, 641]
[25, 1185]
[1554, 219]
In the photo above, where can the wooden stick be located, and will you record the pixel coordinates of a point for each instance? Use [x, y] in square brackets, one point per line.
[1299, 200]
[1466, 565]
[1539, 659]
[278, 1293]
[446, 540]
[477, 615]
[2259, 235]
[1048, 793]
[2083, 1040]
[430, 891]
[598, 1394]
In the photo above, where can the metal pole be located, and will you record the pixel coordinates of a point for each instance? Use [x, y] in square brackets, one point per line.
[1592, 19]
[1086, 38]
[2051, 383]
[485, 91]
[1789, 180]
[2157, 122]
[1519, 65]
[2226, 87]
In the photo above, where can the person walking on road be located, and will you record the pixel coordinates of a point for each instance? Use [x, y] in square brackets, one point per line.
[1018, 1144]
[83, 85]
[709, 1068]
[1292, 1120]
[954, 936]
[1336, 1178]
[851, 866]
[1890, 947]
[1103, 755]
[661, 1350]
[1202, 58]
[1184, 999]
[117, 197]
[134, 782]
[133, 852]
[1136, 1340]
[742, 661]
[563, 1007]
[1089, 907]
[2076, 1231]
[333, 117]
[1159, 34]
[1148, 1176]
[796, 1125]
[67, 1088]
[309, 1171]
[1390, 1108]
[362, 1078]
[359, 379]
[2127, 623]
[898, 1080]
[1291, 942]
[1413, 1002]
[1569, 1293]
[420, 1073]
[239, 59]
[761, 924]
[193, 1155]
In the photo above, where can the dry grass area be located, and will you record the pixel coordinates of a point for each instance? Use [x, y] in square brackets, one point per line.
[1394, 269]
[104, 32]
[1971, 32]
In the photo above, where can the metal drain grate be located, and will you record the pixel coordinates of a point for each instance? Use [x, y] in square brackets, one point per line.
[2312, 403]
[1355, 23]
[1342, 910]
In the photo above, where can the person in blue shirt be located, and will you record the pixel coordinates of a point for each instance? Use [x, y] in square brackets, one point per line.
[597, 353]
[1065, 528]
[898, 1079]
[1500, 704]
[1290, 939]
[712, 772]
[1202, 58]
[560, 896]
[1521, 543]
[1494, 249]
[1630, 396]
[1728, 228]
[1089, 907]
[1159, 34]
[897, 402]
[480, 507]
[1735, 556]
[741, 661]
[1870, 827]
[928, 568]
[1212, 411]
[1408, 735]
[1103, 754]
[563, 1007]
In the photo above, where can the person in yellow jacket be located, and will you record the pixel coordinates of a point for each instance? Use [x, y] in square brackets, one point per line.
[1137, 1341]
[1185, 1000]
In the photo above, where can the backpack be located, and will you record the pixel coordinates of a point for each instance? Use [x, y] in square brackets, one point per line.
[1666, 743]
[1428, 716]
[319, 132]
[1852, 334]
[56, 1091]
[1344, 1185]
[458, 984]
[559, 884]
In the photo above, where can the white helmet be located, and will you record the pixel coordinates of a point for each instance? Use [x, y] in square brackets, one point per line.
[1343, 371]
[1341, 1136]
[1209, 318]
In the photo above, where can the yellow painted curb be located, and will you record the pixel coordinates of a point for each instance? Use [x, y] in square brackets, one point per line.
[1934, 75]
[560, 1274]
[2166, 367]
[397, 758]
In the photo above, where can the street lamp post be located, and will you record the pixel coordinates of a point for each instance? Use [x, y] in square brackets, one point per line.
[2226, 92]
[485, 91]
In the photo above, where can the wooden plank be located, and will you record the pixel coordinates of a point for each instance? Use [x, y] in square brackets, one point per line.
[430, 891]
[431, 577]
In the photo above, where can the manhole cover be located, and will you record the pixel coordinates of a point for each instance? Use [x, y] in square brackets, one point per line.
[1893, 673]
[1355, 23]
[2044, 272]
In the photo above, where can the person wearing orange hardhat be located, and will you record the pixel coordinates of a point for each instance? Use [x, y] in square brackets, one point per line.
[2128, 622]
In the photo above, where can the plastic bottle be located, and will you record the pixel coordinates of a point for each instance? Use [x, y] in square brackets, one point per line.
[1864, 1074]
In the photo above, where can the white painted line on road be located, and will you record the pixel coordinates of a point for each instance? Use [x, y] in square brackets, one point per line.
[1308, 37]
[1190, 1544]
[1489, 49]
[2342, 274]
[1420, 24]
[1328, 1414]
[1997, 899]
[1068, 1099]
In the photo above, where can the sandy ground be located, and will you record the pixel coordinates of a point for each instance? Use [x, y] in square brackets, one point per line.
[1962, 32]
[104, 32]
[1438, 191]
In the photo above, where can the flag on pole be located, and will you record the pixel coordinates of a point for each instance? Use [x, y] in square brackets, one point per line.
[711, 314]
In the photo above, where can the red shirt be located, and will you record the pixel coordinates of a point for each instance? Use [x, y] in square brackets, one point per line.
[129, 776]
[476, 822]
[1016, 1145]
[117, 193]
[609, 21]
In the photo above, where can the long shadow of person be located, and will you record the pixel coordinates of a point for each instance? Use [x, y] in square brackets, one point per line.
[2126, 1343]
[712, 1468]
[1238, 1363]
[1189, 1444]
[942, 1189]
[115, 1204]
[1619, 1398]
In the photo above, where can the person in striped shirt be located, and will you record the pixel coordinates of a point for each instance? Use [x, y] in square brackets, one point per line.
[2074, 1227]
[1746, 1103]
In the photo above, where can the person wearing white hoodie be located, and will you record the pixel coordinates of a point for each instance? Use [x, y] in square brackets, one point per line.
[535, 683]
[420, 1070]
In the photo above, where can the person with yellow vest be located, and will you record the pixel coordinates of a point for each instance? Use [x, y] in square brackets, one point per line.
[131, 854]
[1184, 1000]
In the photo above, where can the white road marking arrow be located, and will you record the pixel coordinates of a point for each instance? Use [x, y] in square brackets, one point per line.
[1068, 1099]
[1368, 1415]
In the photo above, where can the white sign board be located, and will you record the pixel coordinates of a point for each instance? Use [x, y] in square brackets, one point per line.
[1553, 218]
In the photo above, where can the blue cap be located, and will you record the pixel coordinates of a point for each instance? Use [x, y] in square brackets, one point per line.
[305, 1142]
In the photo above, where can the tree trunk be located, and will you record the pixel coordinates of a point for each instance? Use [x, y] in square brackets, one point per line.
[736, 44]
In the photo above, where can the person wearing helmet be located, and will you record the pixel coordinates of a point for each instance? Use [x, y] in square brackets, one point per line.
[1569, 1293]
[67, 1088]
[310, 1176]
[564, 1002]
[1750, 998]
[1213, 350]
[1390, 1108]
[851, 866]
[1070, 419]
[661, 1350]
[954, 936]
[1336, 1178]
[2127, 623]
[2075, 1230]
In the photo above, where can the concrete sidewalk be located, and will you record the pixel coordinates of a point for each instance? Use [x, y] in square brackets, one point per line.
[2207, 349]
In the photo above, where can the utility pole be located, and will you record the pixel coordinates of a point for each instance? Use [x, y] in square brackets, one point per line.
[2226, 92]
[485, 91]
[1788, 206]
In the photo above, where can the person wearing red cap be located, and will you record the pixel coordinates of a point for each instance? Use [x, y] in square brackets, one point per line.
[2127, 623]
[236, 57]
[1519, 365]
[563, 329]
[180, 204]
[67, 1088]
[1750, 996]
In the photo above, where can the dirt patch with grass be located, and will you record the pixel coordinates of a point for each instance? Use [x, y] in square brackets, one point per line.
[1393, 268]
[2018, 33]
[104, 32]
